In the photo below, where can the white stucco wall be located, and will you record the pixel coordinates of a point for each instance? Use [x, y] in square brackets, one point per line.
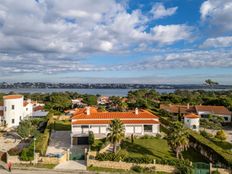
[207, 113]
[190, 122]
[13, 114]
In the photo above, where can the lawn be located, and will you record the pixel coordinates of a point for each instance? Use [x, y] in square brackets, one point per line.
[194, 156]
[153, 147]
[62, 125]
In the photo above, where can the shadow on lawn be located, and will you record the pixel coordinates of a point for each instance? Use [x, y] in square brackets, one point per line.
[136, 148]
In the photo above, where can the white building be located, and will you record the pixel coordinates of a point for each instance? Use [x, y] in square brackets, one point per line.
[192, 121]
[220, 111]
[139, 122]
[15, 109]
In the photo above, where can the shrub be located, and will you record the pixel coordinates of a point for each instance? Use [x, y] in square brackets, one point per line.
[14, 151]
[215, 172]
[220, 135]
[206, 134]
[137, 169]
[27, 154]
[91, 138]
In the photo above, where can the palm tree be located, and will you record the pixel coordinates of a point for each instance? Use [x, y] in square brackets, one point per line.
[116, 133]
[178, 138]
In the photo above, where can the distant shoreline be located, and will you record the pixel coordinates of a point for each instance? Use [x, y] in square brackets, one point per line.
[93, 91]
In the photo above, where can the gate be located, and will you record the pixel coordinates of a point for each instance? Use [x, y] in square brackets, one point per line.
[76, 156]
[201, 168]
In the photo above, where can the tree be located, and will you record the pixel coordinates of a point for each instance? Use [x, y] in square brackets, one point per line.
[178, 138]
[221, 135]
[211, 83]
[91, 138]
[26, 129]
[212, 122]
[116, 133]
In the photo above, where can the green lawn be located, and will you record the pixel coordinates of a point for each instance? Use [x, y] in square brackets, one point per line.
[62, 125]
[153, 147]
[194, 156]
[109, 170]
[223, 144]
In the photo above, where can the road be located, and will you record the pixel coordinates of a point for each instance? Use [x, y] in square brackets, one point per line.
[48, 171]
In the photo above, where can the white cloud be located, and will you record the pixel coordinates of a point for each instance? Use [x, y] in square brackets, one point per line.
[217, 13]
[171, 33]
[217, 42]
[159, 11]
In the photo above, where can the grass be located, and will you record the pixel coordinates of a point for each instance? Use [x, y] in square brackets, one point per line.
[27, 166]
[62, 125]
[153, 147]
[101, 169]
[223, 144]
[194, 156]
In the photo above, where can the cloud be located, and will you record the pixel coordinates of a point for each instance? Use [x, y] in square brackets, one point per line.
[184, 59]
[159, 11]
[217, 42]
[218, 14]
[171, 33]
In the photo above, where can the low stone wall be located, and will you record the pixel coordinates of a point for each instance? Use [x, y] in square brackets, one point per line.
[222, 171]
[39, 159]
[127, 166]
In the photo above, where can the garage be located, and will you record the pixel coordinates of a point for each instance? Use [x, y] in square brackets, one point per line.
[82, 140]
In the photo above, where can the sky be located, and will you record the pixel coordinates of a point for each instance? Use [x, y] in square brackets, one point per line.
[116, 41]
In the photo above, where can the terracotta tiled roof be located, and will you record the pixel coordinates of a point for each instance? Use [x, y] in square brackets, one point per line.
[191, 115]
[220, 110]
[25, 103]
[38, 108]
[116, 115]
[12, 96]
[183, 109]
[81, 122]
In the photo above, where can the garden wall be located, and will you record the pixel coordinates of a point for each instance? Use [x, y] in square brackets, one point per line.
[127, 166]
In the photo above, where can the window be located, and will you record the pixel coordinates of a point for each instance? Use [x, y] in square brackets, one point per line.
[226, 118]
[147, 128]
[12, 107]
[5, 108]
[26, 109]
[13, 121]
[194, 127]
[84, 126]
[20, 118]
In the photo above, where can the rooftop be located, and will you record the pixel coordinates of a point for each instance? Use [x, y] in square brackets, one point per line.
[12, 97]
[191, 115]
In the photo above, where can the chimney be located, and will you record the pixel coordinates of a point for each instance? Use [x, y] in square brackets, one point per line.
[188, 106]
[136, 111]
[88, 110]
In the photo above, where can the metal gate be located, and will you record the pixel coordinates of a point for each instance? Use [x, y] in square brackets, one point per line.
[201, 168]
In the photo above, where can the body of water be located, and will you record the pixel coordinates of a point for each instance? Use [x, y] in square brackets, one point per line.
[104, 92]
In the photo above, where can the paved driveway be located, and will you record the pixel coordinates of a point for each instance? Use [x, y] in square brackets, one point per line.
[7, 142]
[59, 142]
[72, 165]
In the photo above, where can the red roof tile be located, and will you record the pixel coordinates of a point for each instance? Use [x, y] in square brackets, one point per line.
[116, 115]
[220, 110]
[81, 122]
[191, 115]
[12, 96]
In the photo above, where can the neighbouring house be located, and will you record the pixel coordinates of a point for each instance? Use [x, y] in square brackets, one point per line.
[77, 102]
[202, 110]
[15, 109]
[219, 111]
[103, 100]
[192, 121]
[39, 112]
[138, 122]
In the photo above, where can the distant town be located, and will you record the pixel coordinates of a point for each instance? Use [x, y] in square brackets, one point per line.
[5, 85]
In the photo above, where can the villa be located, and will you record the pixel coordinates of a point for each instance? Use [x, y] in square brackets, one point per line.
[138, 122]
[201, 110]
[15, 108]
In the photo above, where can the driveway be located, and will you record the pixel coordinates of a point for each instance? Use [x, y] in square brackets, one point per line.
[72, 165]
[7, 142]
[59, 142]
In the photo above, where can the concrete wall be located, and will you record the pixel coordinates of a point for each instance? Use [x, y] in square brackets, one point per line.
[127, 166]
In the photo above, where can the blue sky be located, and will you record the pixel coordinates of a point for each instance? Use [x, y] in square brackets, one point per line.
[116, 41]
